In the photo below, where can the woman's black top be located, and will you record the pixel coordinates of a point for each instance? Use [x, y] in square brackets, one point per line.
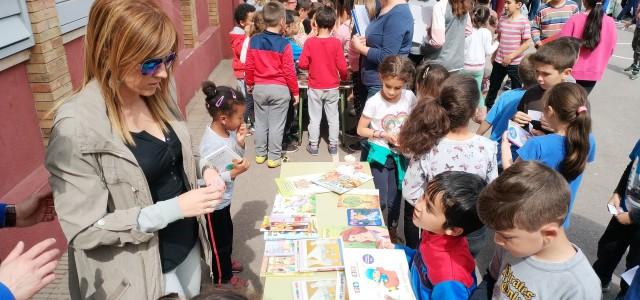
[161, 162]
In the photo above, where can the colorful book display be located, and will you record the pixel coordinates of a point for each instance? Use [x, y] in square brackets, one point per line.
[327, 289]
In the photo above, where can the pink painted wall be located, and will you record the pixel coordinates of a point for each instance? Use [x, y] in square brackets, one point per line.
[75, 57]
[202, 15]
[21, 156]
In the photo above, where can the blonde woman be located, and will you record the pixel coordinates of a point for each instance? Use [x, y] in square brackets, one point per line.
[122, 170]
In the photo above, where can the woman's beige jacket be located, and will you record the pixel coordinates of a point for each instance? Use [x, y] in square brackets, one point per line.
[99, 189]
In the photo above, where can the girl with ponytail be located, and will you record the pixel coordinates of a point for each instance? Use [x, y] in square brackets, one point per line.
[437, 138]
[598, 34]
[571, 147]
[226, 106]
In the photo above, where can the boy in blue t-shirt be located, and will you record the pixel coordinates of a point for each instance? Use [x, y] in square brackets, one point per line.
[623, 231]
[442, 266]
[507, 105]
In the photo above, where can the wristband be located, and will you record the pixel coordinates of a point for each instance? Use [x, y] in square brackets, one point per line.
[10, 216]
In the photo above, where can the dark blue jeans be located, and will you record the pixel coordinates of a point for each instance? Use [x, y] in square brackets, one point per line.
[630, 7]
[533, 11]
[386, 180]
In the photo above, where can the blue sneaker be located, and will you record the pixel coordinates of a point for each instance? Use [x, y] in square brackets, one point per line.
[333, 149]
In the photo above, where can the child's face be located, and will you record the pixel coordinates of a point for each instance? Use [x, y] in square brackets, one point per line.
[293, 28]
[248, 21]
[392, 88]
[429, 219]
[547, 76]
[519, 242]
[511, 6]
[236, 119]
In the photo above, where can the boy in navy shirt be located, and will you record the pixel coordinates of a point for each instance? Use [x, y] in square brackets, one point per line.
[271, 78]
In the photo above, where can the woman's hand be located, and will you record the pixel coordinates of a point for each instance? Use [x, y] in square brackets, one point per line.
[360, 44]
[199, 201]
[615, 201]
[239, 166]
[624, 218]
[212, 178]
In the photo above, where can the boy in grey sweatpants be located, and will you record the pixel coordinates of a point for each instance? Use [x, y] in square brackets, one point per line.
[271, 77]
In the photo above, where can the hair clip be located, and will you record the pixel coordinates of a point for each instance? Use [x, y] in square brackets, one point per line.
[233, 94]
[219, 102]
[582, 109]
[598, 3]
[426, 72]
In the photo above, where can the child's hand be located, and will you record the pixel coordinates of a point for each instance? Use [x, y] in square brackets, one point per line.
[480, 114]
[505, 148]
[385, 244]
[623, 218]
[507, 60]
[521, 118]
[241, 134]
[390, 138]
[239, 166]
[296, 100]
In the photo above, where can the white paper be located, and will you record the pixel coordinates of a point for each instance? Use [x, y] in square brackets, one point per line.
[612, 209]
[534, 114]
[516, 134]
[421, 21]
[223, 158]
[628, 275]
[361, 16]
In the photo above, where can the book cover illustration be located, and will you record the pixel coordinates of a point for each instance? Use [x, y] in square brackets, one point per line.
[377, 274]
[360, 199]
[359, 236]
[280, 248]
[289, 235]
[326, 289]
[319, 255]
[516, 134]
[299, 185]
[343, 178]
[364, 217]
[287, 223]
[223, 158]
[294, 205]
[279, 265]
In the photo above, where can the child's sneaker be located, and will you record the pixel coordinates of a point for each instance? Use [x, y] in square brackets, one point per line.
[312, 149]
[261, 159]
[333, 149]
[630, 68]
[273, 163]
[236, 266]
[289, 147]
[634, 75]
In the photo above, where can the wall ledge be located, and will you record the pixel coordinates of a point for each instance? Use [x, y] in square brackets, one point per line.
[15, 59]
[74, 34]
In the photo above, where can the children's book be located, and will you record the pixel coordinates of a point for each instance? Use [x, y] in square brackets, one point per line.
[359, 198]
[289, 235]
[359, 236]
[342, 179]
[299, 185]
[377, 274]
[364, 217]
[294, 205]
[323, 289]
[516, 134]
[287, 223]
[319, 255]
[223, 158]
[280, 248]
[279, 265]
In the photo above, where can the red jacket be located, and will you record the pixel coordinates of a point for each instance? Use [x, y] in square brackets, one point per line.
[324, 58]
[270, 61]
[237, 37]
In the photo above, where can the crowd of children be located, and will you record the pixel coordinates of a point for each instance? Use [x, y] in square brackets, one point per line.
[455, 183]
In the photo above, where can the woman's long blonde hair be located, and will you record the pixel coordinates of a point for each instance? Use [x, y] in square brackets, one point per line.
[121, 34]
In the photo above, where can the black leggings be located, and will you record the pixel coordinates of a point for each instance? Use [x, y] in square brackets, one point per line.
[587, 85]
[220, 221]
[611, 247]
[495, 81]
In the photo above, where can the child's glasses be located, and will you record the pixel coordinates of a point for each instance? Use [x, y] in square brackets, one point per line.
[151, 65]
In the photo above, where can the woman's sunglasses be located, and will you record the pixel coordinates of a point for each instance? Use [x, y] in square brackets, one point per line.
[151, 65]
